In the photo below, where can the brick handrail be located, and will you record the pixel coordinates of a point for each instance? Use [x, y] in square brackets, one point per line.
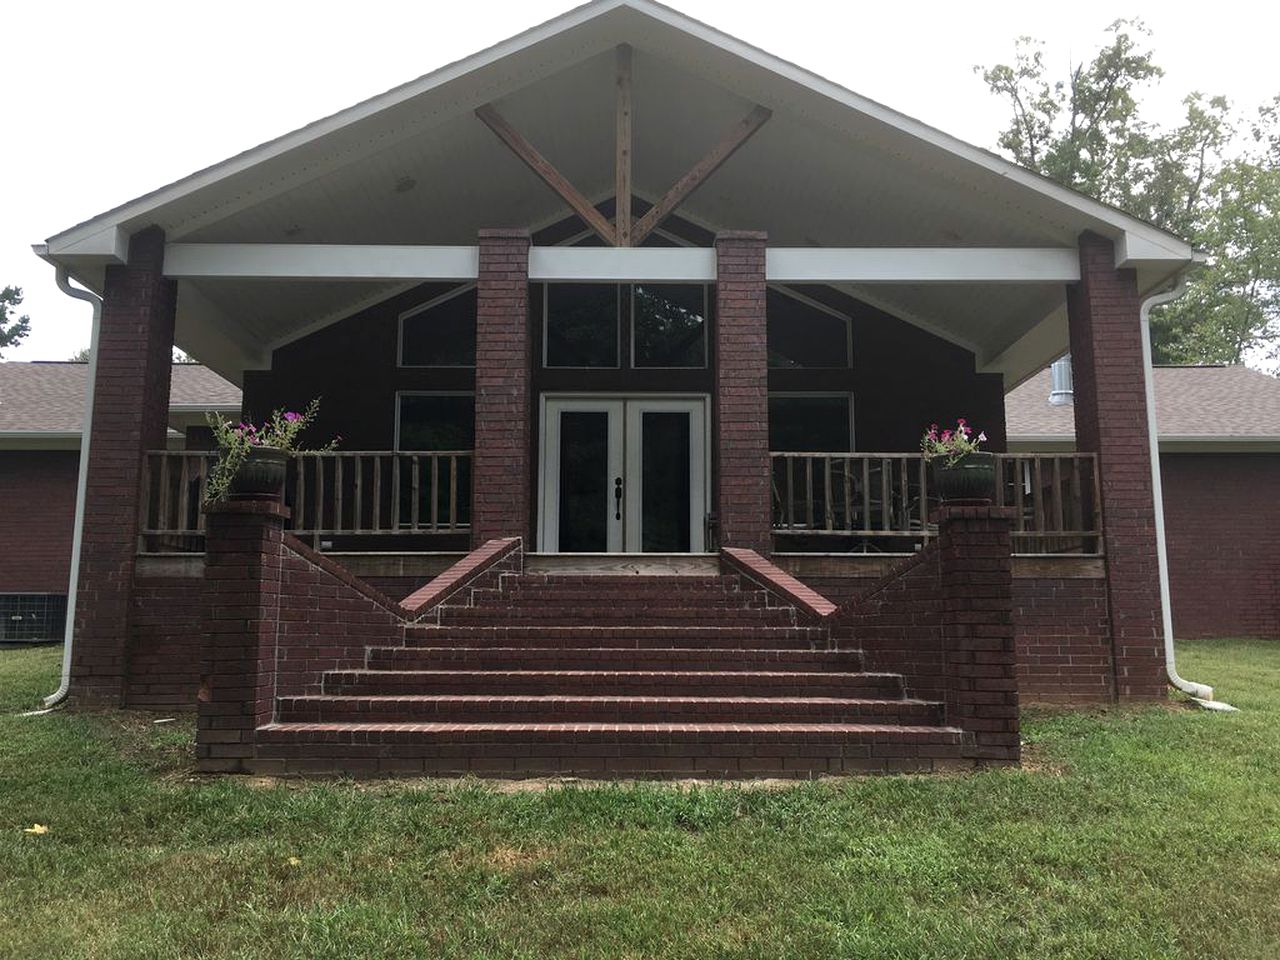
[776, 581]
[464, 574]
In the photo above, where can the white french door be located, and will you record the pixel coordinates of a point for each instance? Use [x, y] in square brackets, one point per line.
[623, 475]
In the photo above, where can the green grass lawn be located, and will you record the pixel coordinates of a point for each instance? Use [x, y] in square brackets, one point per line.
[1148, 832]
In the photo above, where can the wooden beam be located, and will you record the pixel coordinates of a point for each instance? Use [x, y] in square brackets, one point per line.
[539, 164]
[697, 175]
[622, 181]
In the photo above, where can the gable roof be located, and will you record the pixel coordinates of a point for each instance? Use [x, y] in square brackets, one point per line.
[1204, 404]
[47, 398]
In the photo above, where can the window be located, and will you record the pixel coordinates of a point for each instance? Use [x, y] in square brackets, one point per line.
[436, 421]
[670, 328]
[804, 335]
[817, 423]
[581, 325]
[441, 333]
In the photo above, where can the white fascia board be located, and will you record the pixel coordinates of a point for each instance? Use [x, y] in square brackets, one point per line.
[623, 264]
[922, 265]
[319, 261]
[110, 244]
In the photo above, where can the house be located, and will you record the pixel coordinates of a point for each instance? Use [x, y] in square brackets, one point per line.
[1220, 463]
[630, 331]
[41, 416]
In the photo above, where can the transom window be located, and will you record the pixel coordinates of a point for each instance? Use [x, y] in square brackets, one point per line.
[583, 324]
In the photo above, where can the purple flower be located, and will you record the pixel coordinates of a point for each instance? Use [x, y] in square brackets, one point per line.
[292, 417]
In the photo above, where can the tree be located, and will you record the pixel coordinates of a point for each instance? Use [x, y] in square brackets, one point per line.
[1087, 133]
[12, 329]
[80, 356]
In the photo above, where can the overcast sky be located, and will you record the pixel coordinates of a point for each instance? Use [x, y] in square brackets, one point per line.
[107, 101]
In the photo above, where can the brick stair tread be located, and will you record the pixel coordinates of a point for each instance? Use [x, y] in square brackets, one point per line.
[789, 676]
[609, 732]
[695, 656]
[617, 630]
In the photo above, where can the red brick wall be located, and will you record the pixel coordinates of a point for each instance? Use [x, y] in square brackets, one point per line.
[130, 413]
[1064, 639]
[1111, 420]
[741, 438]
[1222, 526]
[501, 471]
[165, 643]
[37, 517]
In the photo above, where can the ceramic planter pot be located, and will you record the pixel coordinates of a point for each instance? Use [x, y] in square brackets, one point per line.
[973, 478]
[261, 476]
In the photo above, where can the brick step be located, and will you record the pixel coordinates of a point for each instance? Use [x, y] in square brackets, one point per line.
[605, 750]
[602, 709]
[610, 658]
[575, 615]
[640, 637]
[655, 683]
[518, 599]
[664, 584]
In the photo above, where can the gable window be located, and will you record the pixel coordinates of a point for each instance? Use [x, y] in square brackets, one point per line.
[442, 332]
[810, 422]
[805, 335]
[581, 325]
[669, 325]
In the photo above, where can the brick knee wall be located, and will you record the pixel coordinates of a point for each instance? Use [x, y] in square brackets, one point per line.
[1064, 639]
[166, 640]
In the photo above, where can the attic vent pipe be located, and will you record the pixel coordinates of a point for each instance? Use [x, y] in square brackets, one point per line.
[1060, 374]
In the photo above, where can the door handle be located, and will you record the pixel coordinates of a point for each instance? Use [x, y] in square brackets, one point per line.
[617, 498]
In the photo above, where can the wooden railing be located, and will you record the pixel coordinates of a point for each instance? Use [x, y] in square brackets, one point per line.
[882, 502]
[347, 495]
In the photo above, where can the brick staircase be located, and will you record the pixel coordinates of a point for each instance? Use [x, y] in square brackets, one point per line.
[679, 676]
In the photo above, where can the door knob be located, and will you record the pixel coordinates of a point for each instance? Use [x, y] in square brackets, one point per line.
[617, 498]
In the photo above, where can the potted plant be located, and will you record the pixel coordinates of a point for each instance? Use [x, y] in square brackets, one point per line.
[253, 459]
[960, 470]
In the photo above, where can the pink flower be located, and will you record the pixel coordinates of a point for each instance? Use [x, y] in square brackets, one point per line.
[982, 437]
[946, 435]
[292, 417]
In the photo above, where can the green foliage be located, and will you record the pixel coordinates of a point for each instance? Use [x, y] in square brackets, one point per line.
[80, 356]
[12, 328]
[280, 431]
[1131, 833]
[1194, 179]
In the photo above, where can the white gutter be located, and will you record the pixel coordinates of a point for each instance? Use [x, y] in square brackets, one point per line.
[1200, 692]
[73, 583]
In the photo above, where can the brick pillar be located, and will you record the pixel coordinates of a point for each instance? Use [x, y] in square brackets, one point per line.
[244, 555]
[130, 416]
[1111, 421]
[742, 394]
[976, 581]
[500, 475]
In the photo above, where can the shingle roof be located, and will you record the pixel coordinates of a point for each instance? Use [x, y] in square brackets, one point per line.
[1196, 403]
[49, 397]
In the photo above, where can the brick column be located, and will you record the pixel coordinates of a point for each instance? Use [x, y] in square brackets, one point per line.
[130, 416]
[975, 577]
[244, 555]
[1111, 421]
[742, 394]
[500, 479]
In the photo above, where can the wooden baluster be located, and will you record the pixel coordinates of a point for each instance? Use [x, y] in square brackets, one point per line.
[1057, 494]
[184, 494]
[144, 506]
[1019, 481]
[1077, 500]
[791, 495]
[999, 480]
[435, 492]
[300, 492]
[357, 511]
[905, 515]
[886, 493]
[337, 494]
[924, 501]
[413, 507]
[319, 518]
[162, 520]
[395, 492]
[826, 491]
[866, 493]
[202, 484]
[453, 493]
[377, 491]
[848, 493]
[1037, 500]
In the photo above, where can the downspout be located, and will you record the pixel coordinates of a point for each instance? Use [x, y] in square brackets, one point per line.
[1201, 693]
[73, 583]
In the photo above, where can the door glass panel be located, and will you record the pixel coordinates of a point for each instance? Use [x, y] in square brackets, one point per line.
[664, 521]
[584, 482]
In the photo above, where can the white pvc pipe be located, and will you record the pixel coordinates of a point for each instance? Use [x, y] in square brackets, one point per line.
[86, 426]
[1199, 691]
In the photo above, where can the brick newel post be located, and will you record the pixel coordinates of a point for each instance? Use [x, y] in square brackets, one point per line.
[1111, 421]
[130, 416]
[500, 477]
[976, 579]
[244, 553]
[742, 466]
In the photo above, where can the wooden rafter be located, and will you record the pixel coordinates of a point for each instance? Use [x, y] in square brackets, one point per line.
[622, 180]
[539, 164]
[699, 172]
